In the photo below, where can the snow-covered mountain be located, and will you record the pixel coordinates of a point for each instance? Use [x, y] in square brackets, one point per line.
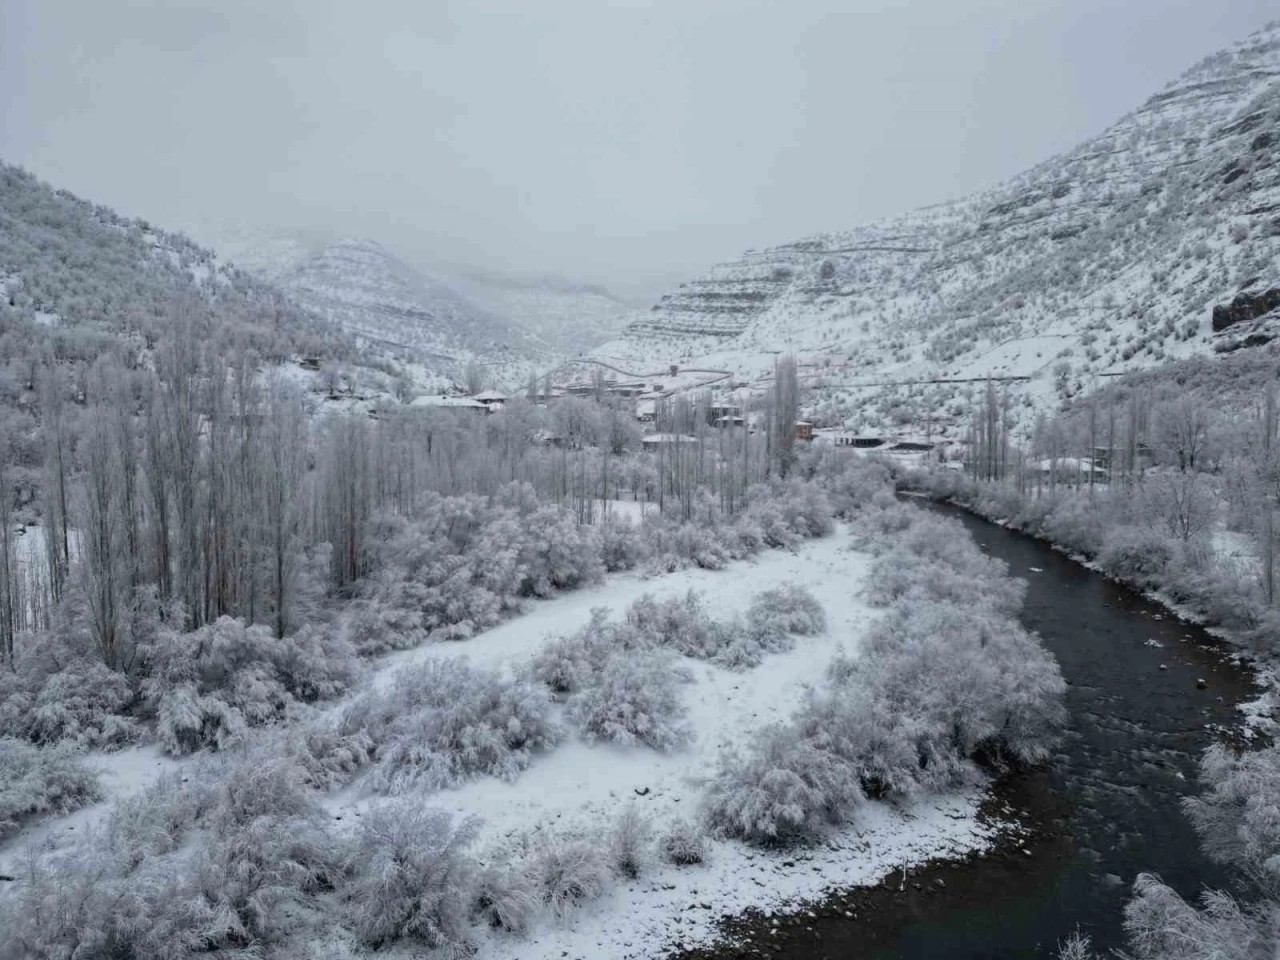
[377, 297]
[1158, 238]
[84, 273]
[445, 312]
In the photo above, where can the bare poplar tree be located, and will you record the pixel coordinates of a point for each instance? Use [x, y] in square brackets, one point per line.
[281, 476]
[57, 460]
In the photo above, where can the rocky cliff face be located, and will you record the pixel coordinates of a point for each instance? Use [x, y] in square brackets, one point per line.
[1112, 256]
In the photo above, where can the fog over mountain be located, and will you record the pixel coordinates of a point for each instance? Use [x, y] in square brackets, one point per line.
[630, 144]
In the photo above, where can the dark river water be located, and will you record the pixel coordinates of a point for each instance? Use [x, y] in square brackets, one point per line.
[1107, 807]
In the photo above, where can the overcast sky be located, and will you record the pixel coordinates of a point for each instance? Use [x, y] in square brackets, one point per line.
[631, 143]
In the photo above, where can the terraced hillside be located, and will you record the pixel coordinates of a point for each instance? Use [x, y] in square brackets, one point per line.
[1157, 239]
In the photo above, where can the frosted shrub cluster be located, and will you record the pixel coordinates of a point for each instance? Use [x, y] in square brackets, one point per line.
[682, 624]
[783, 788]
[946, 677]
[77, 701]
[132, 890]
[778, 515]
[235, 855]
[35, 781]
[208, 686]
[932, 557]
[634, 698]
[621, 680]
[1128, 534]
[466, 561]
[682, 843]
[444, 721]
[617, 685]
[411, 879]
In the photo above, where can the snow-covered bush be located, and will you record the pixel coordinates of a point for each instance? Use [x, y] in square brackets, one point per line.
[133, 890]
[784, 789]
[208, 686]
[568, 872]
[897, 574]
[619, 685]
[444, 721]
[572, 663]
[557, 552]
[326, 756]
[36, 780]
[788, 609]
[854, 483]
[81, 703]
[682, 843]
[155, 820]
[505, 897]
[412, 878]
[1136, 554]
[968, 671]
[248, 877]
[315, 663]
[805, 508]
[1077, 525]
[1238, 817]
[634, 698]
[1160, 925]
[773, 620]
[680, 624]
[631, 843]
[622, 545]
[378, 626]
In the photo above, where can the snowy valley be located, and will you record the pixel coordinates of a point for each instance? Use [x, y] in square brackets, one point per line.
[1158, 239]
[352, 606]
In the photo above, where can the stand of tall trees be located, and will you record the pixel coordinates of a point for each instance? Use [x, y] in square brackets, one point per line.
[197, 486]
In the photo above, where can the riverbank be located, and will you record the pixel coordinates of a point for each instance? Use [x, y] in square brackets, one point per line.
[1107, 806]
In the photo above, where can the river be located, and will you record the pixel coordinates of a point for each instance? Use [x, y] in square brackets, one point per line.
[1106, 808]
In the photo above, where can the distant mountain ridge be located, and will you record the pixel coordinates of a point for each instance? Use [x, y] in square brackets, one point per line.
[1159, 238]
[450, 312]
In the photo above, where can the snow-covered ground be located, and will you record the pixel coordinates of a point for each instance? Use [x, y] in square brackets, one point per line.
[580, 787]
[583, 787]
[123, 774]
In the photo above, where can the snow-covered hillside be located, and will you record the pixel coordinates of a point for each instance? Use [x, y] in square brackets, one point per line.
[70, 263]
[1157, 239]
[439, 314]
[372, 294]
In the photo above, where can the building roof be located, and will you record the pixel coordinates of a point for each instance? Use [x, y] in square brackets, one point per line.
[441, 401]
[656, 439]
[489, 396]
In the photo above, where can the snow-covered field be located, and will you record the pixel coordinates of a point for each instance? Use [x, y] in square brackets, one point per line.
[580, 787]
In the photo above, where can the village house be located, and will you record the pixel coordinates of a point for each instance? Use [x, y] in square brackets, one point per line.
[663, 441]
[626, 390]
[439, 401]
